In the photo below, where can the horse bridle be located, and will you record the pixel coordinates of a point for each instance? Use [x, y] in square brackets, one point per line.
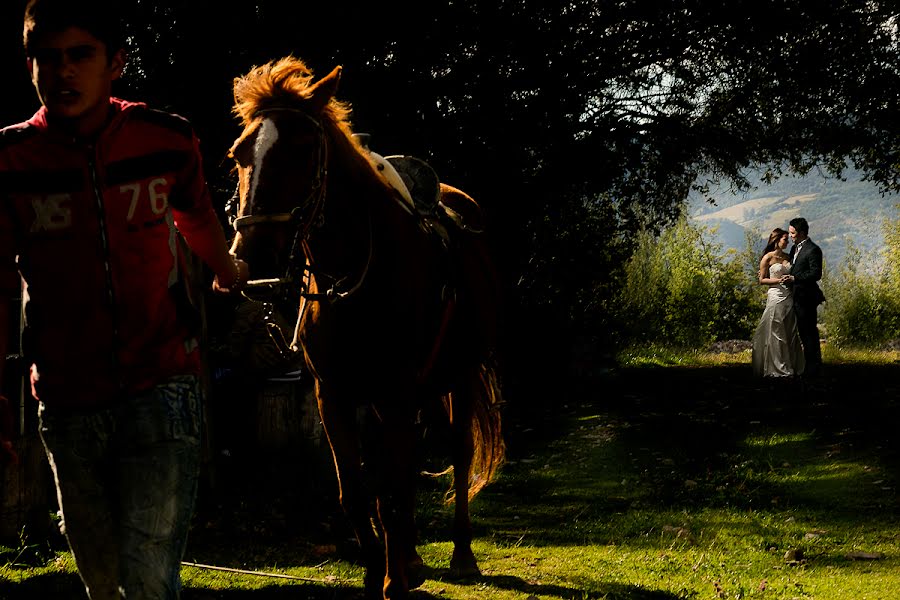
[315, 200]
[317, 190]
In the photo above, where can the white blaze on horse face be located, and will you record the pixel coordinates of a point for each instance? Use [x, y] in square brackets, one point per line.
[266, 136]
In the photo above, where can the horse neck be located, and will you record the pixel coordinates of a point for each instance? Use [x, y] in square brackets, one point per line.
[343, 244]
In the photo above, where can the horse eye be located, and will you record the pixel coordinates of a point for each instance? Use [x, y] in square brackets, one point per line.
[239, 158]
[242, 153]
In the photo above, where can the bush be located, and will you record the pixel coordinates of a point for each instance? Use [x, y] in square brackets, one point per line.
[862, 307]
[682, 291]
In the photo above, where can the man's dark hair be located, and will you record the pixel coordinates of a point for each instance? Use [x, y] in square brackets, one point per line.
[101, 18]
[800, 224]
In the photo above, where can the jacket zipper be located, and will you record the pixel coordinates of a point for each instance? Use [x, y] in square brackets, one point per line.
[104, 242]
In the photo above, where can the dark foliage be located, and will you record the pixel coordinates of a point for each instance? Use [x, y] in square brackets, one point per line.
[572, 123]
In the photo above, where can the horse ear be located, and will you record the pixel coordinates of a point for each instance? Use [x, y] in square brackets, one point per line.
[324, 90]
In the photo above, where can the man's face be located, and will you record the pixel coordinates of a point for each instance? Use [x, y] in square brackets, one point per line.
[796, 236]
[73, 78]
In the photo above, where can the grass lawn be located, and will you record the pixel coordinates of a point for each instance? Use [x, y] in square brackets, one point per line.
[651, 483]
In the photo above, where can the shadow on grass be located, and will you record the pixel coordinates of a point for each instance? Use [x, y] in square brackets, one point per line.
[57, 586]
[51, 586]
[609, 591]
[617, 458]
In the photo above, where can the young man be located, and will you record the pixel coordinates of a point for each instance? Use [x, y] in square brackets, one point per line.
[93, 193]
[806, 271]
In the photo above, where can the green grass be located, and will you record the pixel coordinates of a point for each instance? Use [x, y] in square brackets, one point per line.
[652, 484]
[662, 356]
[859, 355]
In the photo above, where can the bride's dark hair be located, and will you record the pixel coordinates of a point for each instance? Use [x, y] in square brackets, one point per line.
[776, 235]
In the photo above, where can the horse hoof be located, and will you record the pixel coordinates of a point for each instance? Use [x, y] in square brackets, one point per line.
[465, 572]
[373, 588]
[464, 566]
[415, 573]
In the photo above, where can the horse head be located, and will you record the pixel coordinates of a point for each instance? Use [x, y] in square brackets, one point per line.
[281, 159]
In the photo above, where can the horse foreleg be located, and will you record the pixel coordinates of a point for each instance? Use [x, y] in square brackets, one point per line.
[396, 505]
[462, 561]
[339, 423]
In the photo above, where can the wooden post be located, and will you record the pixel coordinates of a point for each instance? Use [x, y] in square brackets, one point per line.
[28, 493]
[287, 416]
[26, 489]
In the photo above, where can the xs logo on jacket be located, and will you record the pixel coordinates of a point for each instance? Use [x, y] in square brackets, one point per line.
[51, 212]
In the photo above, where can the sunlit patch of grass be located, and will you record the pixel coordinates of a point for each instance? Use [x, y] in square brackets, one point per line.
[807, 473]
[832, 353]
[820, 484]
[338, 574]
[724, 358]
[14, 571]
[654, 355]
[657, 355]
[777, 438]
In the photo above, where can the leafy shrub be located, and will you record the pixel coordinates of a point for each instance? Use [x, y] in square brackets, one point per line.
[683, 291]
[863, 307]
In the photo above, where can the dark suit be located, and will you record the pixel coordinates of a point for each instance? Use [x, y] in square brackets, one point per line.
[806, 268]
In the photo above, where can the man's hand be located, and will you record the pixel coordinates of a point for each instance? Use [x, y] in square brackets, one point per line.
[7, 452]
[236, 281]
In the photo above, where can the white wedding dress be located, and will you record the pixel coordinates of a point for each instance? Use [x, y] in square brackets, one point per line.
[777, 351]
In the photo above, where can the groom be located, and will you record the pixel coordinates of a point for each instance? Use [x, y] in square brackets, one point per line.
[806, 270]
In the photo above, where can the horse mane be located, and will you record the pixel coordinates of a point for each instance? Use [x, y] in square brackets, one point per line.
[285, 83]
[282, 83]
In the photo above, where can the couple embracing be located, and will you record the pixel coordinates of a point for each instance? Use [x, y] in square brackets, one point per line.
[786, 342]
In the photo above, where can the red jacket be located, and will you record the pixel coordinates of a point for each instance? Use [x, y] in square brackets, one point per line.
[92, 231]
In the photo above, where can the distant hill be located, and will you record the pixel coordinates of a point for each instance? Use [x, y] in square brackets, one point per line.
[836, 210]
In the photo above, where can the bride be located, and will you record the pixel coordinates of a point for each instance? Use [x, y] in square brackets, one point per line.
[777, 351]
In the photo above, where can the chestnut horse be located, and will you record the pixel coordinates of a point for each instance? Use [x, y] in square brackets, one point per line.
[393, 317]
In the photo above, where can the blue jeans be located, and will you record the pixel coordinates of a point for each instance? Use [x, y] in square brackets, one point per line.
[126, 480]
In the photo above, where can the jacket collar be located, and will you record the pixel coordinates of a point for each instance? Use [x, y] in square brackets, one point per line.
[119, 110]
[801, 246]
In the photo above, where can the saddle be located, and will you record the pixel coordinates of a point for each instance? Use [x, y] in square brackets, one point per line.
[420, 179]
[420, 187]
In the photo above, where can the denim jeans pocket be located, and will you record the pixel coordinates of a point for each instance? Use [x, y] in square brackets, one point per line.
[167, 412]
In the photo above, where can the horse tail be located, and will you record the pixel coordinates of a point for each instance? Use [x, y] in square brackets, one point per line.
[489, 449]
[483, 436]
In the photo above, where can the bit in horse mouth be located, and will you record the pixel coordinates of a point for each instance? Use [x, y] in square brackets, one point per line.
[273, 282]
